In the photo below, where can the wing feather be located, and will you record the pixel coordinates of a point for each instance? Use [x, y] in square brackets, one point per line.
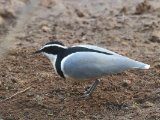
[86, 65]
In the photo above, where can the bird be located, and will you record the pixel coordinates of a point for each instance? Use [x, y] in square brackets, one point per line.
[87, 62]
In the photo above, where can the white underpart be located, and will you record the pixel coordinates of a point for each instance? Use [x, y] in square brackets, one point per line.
[52, 58]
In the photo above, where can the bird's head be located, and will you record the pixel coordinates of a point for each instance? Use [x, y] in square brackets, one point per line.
[52, 49]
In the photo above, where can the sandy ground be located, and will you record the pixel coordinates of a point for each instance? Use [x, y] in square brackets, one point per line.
[29, 87]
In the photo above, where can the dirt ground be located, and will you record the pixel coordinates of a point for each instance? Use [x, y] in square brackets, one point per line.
[29, 87]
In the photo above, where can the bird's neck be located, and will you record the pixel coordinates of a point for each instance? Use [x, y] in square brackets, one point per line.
[53, 59]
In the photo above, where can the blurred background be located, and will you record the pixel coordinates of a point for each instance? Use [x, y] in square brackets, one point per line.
[131, 28]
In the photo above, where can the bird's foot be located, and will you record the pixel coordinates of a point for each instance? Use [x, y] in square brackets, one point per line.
[87, 93]
[89, 90]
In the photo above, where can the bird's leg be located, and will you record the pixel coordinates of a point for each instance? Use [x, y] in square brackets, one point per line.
[90, 90]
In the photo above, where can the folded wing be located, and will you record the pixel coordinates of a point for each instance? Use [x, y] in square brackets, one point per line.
[87, 65]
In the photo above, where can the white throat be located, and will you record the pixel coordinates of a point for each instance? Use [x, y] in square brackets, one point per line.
[52, 58]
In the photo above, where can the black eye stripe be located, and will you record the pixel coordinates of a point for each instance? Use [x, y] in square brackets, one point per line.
[52, 49]
[64, 52]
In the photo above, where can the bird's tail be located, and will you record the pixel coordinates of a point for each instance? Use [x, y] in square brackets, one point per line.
[145, 66]
[140, 65]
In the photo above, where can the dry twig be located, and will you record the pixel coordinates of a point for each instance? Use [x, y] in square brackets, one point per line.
[16, 94]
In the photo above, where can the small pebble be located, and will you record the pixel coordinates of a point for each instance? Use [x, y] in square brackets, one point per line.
[45, 29]
[155, 37]
[126, 83]
[147, 104]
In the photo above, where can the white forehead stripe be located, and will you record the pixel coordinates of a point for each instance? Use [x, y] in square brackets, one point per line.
[56, 45]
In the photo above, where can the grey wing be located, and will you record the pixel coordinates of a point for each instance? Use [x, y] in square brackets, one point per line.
[87, 65]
